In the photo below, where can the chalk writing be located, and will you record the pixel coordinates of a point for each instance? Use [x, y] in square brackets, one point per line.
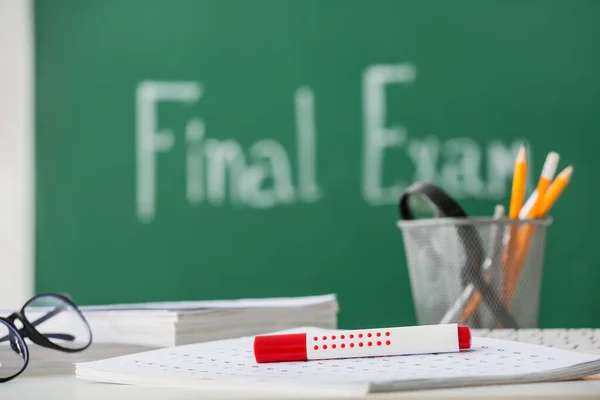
[261, 177]
[220, 172]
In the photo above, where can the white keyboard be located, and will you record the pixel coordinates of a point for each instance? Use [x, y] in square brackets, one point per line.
[584, 340]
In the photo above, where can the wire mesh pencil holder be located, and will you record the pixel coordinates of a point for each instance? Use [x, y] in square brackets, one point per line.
[482, 272]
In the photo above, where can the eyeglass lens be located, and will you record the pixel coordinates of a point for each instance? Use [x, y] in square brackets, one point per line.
[13, 354]
[59, 321]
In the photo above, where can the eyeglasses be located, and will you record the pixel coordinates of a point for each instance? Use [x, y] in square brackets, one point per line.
[42, 318]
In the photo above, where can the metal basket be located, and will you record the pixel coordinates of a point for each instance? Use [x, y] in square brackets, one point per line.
[481, 272]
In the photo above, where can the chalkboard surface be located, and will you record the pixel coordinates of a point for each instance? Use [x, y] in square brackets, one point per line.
[199, 149]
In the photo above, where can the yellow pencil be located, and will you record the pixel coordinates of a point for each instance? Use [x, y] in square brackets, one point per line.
[556, 189]
[516, 202]
[552, 194]
[518, 184]
[548, 171]
[524, 235]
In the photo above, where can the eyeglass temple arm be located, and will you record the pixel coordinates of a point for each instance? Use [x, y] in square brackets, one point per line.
[44, 318]
[47, 316]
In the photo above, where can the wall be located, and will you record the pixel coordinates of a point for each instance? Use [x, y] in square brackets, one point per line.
[16, 149]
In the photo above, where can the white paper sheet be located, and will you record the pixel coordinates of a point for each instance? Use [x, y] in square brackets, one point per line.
[489, 360]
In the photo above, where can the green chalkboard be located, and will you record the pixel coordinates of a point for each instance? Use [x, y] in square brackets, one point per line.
[199, 149]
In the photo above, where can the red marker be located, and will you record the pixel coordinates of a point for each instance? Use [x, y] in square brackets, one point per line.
[423, 339]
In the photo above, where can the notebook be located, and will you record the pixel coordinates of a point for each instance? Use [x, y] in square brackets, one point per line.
[167, 324]
[230, 365]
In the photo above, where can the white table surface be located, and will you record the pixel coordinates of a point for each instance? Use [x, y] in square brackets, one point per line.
[65, 386]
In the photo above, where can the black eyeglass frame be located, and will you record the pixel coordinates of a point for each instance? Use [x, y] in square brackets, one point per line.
[29, 331]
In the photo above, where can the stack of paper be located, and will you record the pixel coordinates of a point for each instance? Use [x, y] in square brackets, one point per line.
[45, 361]
[177, 323]
[230, 365]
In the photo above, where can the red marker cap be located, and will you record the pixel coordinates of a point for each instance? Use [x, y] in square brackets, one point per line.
[464, 337]
[277, 348]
